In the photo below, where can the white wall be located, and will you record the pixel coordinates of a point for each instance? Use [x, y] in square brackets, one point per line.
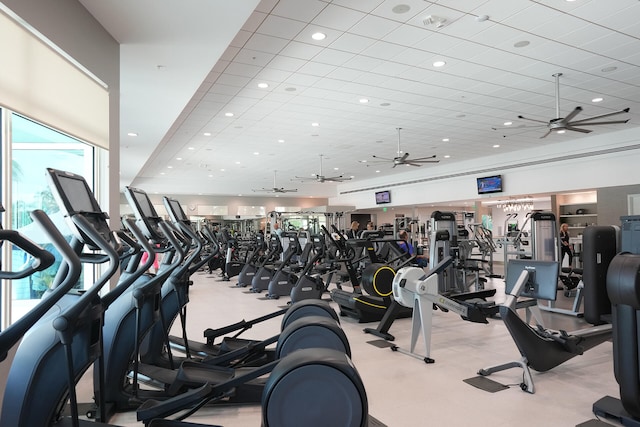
[558, 172]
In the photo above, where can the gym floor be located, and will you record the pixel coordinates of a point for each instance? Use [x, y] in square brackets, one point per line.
[404, 391]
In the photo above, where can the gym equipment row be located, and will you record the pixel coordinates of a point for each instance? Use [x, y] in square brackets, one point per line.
[125, 330]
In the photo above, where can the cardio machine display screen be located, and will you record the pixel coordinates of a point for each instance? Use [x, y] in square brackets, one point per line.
[175, 209]
[146, 208]
[74, 192]
[542, 280]
[489, 184]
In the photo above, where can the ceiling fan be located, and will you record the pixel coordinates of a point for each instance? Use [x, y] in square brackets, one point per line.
[403, 158]
[319, 177]
[567, 123]
[276, 189]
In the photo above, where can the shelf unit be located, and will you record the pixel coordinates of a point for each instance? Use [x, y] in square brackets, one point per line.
[577, 222]
[588, 215]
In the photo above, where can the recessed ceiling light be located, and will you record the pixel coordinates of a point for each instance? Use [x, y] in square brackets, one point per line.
[352, 176]
[281, 140]
[445, 139]
[496, 146]
[507, 123]
[191, 148]
[221, 170]
[263, 85]
[255, 153]
[439, 64]
[363, 100]
[446, 156]
[609, 69]
[315, 124]
[207, 134]
[210, 176]
[482, 18]
[377, 171]
[132, 134]
[363, 161]
[561, 131]
[169, 167]
[228, 114]
[599, 99]
[401, 8]
[161, 173]
[335, 169]
[237, 163]
[522, 43]
[178, 158]
[318, 36]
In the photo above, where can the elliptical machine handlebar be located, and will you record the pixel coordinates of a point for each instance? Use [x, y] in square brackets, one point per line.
[12, 334]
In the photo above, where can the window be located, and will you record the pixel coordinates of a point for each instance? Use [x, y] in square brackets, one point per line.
[34, 148]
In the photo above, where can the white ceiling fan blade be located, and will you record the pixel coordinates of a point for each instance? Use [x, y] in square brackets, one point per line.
[612, 122]
[572, 114]
[411, 163]
[420, 159]
[532, 120]
[404, 157]
[602, 116]
[569, 127]
[382, 158]
[546, 134]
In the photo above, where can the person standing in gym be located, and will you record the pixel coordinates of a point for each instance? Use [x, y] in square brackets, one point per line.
[565, 246]
[353, 231]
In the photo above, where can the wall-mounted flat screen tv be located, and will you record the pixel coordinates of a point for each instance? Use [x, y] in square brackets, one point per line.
[489, 184]
[383, 197]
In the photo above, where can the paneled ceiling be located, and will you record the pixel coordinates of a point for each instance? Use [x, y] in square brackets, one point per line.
[194, 74]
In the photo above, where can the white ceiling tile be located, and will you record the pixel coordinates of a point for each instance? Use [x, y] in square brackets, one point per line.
[316, 69]
[277, 26]
[254, 21]
[338, 17]
[333, 57]
[363, 63]
[345, 74]
[362, 5]
[463, 5]
[352, 43]
[241, 38]
[585, 35]
[264, 43]
[383, 50]
[231, 80]
[437, 43]
[245, 70]
[300, 10]
[285, 63]
[374, 27]
[273, 75]
[499, 10]
[613, 45]
[248, 56]
[300, 50]
[406, 35]
[530, 17]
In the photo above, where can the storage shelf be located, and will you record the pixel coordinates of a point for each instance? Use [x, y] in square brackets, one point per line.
[577, 216]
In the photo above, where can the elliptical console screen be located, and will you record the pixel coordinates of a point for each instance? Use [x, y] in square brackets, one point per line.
[175, 210]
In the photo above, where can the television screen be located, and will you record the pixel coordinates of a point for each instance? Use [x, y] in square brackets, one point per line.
[383, 197]
[489, 184]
